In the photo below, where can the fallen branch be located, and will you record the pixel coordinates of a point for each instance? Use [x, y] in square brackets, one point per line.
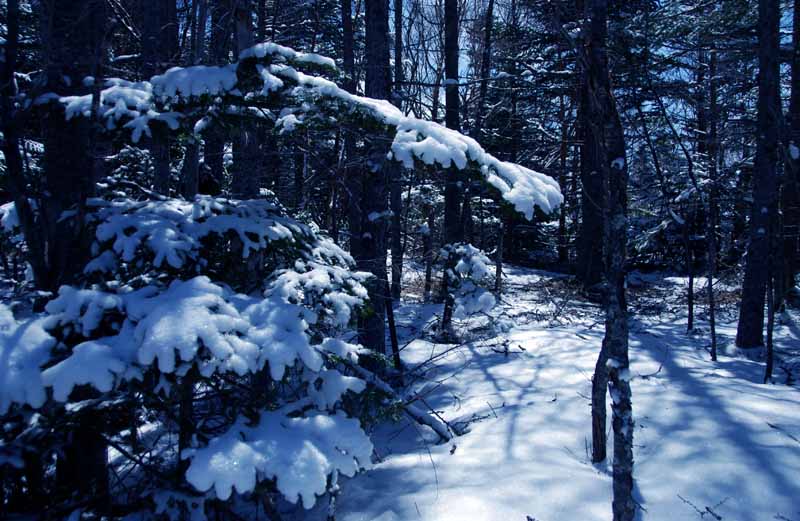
[417, 414]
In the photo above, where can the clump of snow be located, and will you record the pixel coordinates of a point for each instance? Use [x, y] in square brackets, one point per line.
[299, 453]
[171, 231]
[24, 348]
[195, 81]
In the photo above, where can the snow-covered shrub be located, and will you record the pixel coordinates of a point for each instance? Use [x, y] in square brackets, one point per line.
[469, 278]
[12, 246]
[226, 388]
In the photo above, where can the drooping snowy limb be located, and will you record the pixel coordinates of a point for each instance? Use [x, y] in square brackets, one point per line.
[416, 413]
[269, 82]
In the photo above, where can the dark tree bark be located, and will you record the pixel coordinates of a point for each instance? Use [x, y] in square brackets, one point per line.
[371, 251]
[589, 262]
[605, 138]
[396, 187]
[73, 34]
[427, 245]
[352, 177]
[245, 179]
[486, 65]
[17, 184]
[453, 228]
[190, 172]
[750, 329]
[563, 240]
[396, 204]
[711, 240]
[221, 33]
[159, 47]
[790, 193]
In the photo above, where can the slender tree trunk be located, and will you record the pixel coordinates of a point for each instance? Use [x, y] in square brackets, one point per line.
[427, 245]
[589, 264]
[498, 268]
[352, 177]
[563, 242]
[711, 240]
[689, 258]
[73, 36]
[751, 314]
[35, 238]
[396, 170]
[190, 172]
[605, 129]
[486, 67]
[790, 200]
[396, 202]
[159, 46]
[246, 177]
[221, 31]
[453, 229]
[374, 177]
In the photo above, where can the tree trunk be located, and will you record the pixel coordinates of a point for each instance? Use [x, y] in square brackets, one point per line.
[498, 269]
[221, 31]
[396, 170]
[246, 178]
[396, 201]
[159, 46]
[190, 172]
[427, 245]
[711, 240]
[790, 200]
[17, 184]
[750, 329]
[486, 63]
[589, 262]
[453, 229]
[374, 177]
[563, 241]
[606, 139]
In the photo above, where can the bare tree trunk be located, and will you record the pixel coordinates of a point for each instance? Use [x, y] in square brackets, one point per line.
[428, 247]
[396, 201]
[453, 229]
[17, 184]
[750, 329]
[396, 170]
[374, 178]
[486, 65]
[563, 242]
[712, 201]
[221, 31]
[689, 258]
[498, 268]
[159, 47]
[246, 176]
[605, 129]
[790, 200]
[190, 172]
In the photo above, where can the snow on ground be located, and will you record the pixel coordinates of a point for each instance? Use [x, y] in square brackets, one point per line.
[712, 442]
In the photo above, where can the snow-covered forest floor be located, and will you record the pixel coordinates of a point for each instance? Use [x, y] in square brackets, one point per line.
[712, 441]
